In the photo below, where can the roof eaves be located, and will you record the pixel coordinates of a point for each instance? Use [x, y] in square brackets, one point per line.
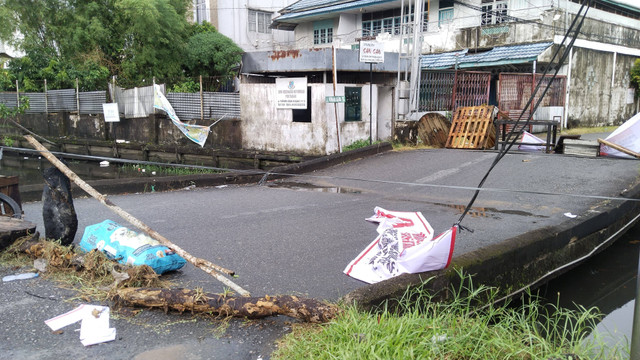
[328, 8]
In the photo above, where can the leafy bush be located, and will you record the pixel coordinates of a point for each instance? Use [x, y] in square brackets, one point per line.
[635, 76]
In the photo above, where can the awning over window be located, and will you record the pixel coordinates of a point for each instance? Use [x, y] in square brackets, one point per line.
[500, 55]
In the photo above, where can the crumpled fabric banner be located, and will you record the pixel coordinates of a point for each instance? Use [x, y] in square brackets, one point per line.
[528, 137]
[195, 133]
[405, 244]
[626, 135]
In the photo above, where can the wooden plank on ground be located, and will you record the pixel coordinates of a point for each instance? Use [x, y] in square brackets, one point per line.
[472, 128]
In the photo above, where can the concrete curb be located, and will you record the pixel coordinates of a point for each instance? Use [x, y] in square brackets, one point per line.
[168, 183]
[529, 259]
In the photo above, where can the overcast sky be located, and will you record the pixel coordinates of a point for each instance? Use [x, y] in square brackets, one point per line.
[634, 3]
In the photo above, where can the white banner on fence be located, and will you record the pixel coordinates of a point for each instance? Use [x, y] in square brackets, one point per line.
[405, 244]
[195, 133]
[291, 93]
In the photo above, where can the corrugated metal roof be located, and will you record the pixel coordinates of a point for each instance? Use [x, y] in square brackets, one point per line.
[500, 55]
[441, 61]
[304, 8]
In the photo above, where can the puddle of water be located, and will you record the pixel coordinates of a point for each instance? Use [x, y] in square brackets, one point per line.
[311, 187]
[483, 212]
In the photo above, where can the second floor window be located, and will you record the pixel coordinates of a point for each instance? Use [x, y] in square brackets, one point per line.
[201, 11]
[493, 12]
[323, 32]
[445, 14]
[259, 21]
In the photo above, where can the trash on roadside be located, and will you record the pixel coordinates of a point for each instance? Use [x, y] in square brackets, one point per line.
[405, 244]
[104, 163]
[23, 276]
[528, 139]
[129, 247]
[40, 265]
[94, 326]
[570, 215]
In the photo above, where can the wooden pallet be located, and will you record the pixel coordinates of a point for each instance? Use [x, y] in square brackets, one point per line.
[472, 128]
[433, 129]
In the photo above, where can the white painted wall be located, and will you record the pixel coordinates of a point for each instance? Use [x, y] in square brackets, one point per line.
[232, 21]
[266, 128]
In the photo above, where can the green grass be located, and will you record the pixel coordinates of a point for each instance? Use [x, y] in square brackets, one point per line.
[358, 144]
[588, 130]
[167, 170]
[455, 330]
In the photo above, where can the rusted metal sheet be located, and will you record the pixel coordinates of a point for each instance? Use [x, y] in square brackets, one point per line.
[472, 128]
[446, 90]
[282, 54]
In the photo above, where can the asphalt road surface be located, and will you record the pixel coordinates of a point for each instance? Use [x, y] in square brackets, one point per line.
[296, 235]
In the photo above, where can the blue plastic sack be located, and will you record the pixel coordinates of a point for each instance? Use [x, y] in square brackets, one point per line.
[129, 247]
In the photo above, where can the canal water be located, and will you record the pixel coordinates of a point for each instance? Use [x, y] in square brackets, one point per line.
[607, 281]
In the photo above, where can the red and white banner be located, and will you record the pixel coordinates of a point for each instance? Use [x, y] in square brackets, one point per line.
[626, 135]
[405, 244]
[529, 138]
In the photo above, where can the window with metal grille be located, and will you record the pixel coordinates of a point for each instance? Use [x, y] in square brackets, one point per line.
[494, 12]
[323, 32]
[259, 21]
[389, 21]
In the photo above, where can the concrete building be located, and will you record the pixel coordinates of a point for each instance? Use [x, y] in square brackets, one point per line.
[246, 22]
[492, 37]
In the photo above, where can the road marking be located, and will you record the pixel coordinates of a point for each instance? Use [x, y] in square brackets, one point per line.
[448, 172]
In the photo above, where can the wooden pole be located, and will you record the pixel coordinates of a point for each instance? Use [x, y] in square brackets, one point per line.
[619, 148]
[205, 265]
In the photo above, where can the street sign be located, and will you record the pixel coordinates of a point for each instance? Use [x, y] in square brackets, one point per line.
[371, 52]
[335, 99]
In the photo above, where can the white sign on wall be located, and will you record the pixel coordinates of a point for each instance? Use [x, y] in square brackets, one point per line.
[371, 52]
[630, 96]
[111, 112]
[291, 93]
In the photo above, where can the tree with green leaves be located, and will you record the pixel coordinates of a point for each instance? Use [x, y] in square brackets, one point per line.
[635, 76]
[134, 40]
[212, 54]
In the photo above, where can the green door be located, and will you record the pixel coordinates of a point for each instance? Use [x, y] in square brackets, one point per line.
[353, 104]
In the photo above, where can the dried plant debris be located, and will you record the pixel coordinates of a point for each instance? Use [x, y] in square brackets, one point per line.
[92, 274]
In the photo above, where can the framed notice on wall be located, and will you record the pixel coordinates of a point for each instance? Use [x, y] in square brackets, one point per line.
[291, 93]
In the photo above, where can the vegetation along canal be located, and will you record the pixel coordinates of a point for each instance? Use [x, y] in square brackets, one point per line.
[607, 281]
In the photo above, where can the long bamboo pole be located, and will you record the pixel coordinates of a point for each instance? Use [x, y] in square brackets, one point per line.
[619, 148]
[203, 264]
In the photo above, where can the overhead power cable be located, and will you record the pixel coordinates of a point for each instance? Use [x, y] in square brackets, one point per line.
[517, 129]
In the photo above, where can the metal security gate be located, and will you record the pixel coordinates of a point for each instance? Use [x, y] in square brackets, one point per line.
[449, 89]
[515, 90]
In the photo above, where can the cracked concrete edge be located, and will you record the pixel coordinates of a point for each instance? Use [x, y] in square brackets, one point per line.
[525, 261]
[168, 183]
